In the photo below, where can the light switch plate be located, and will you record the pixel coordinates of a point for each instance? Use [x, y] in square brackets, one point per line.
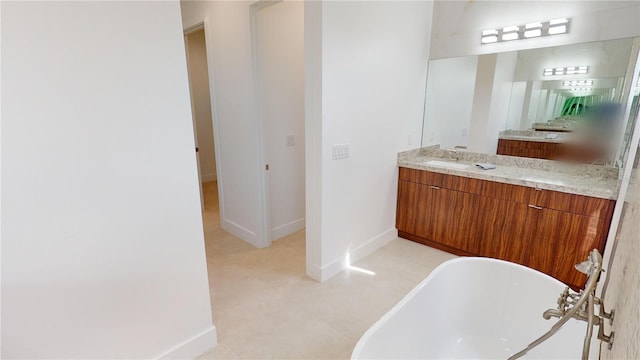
[291, 140]
[341, 151]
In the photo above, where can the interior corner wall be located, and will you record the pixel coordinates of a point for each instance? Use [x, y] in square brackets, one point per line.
[313, 137]
[374, 65]
[501, 93]
[482, 100]
[102, 245]
[228, 35]
[201, 98]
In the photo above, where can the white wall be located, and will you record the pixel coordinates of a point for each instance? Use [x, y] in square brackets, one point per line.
[482, 100]
[102, 245]
[313, 136]
[448, 101]
[228, 34]
[374, 64]
[280, 35]
[534, 103]
[516, 103]
[500, 96]
[201, 104]
[457, 25]
[491, 95]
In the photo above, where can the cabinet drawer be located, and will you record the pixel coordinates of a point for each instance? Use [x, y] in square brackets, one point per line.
[571, 203]
[578, 204]
[453, 182]
[421, 176]
[515, 193]
[462, 184]
[521, 144]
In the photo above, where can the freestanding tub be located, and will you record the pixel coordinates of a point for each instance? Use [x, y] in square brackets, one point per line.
[473, 308]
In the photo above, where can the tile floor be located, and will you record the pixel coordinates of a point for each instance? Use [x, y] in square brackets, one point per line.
[265, 307]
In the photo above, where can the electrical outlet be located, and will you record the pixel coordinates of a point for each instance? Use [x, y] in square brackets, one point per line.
[340, 151]
[291, 140]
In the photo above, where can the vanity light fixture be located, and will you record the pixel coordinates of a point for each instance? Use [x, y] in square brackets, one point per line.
[527, 31]
[558, 26]
[510, 33]
[572, 70]
[577, 83]
[489, 36]
[569, 70]
[533, 30]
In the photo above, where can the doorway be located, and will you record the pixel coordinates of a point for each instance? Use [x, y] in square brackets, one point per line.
[278, 52]
[202, 118]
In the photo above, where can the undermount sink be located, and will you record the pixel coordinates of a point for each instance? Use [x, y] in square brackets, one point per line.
[447, 164]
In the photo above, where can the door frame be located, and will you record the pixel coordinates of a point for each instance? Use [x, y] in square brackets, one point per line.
[193, 118]
[264, 201]
[206, 27]
[313, 132]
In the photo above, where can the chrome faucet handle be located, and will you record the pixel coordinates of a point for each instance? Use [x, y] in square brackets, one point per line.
[585, 267]
[592, 265]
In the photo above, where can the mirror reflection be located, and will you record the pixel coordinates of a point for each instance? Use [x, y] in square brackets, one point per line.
[562, 103]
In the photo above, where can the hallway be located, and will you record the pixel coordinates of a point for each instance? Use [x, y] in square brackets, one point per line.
[265, 307]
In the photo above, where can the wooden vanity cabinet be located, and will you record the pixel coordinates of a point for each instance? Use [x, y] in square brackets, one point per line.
[528, 148]
[451, 216]
[546, 230]
[550, 151]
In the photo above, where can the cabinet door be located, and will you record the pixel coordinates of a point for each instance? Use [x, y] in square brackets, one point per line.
[441, 215]
[430, 211]
[407, 207]
[563, 240]
[455, 218]
[416, 213]
[505, 229]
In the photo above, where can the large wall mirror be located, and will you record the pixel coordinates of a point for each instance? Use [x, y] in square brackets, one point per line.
[471, 100]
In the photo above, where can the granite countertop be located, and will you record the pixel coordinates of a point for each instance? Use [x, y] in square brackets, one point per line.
[537, 136]
[588, 180]
[553, 127]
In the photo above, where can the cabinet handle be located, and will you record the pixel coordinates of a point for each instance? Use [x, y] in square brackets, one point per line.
[434, 187]
[535, 207]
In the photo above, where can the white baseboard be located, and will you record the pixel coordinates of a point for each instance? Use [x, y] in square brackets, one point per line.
[314, 272]
[241, 232]
[333, 268]
[287, 229]
[328, 271]
[208, 177]
[193, 347]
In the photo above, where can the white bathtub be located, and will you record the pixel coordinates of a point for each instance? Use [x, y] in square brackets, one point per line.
[473, 308]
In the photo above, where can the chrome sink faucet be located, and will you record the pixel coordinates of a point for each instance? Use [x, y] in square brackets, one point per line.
[452, 154]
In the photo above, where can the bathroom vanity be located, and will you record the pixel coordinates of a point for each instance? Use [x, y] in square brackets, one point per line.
[533, 144]
[551, 146]
[537, 213]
